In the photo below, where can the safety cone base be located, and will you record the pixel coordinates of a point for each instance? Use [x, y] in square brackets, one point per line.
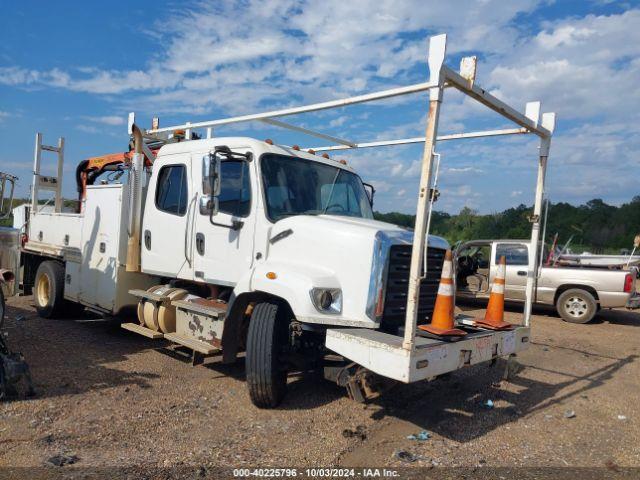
[494, 324]
[442, 332]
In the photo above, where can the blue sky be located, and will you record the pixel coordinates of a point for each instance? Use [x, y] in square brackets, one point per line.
[75, 69]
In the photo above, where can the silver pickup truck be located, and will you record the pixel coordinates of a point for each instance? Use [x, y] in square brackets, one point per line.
[577, 293]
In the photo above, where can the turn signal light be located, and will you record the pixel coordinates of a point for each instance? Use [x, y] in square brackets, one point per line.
[272, 275]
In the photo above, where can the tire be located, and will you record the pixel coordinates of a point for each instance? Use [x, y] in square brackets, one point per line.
[266, 342]
[576, 306]
[48, 289]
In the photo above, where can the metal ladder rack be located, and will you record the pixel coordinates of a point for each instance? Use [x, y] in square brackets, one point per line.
[441, 78]
[44, 182]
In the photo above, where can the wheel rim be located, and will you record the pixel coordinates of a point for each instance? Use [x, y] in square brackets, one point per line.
[576, 306]
[42, 290]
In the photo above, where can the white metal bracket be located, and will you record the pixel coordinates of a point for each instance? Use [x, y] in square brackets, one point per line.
[532, 112]
[437, 53]
[468, 69]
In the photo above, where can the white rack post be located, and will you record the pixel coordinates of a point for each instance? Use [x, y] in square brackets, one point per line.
[437, 51]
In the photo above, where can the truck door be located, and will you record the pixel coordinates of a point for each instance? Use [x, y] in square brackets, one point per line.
[517, 255]
[223, 254]
[168, 219]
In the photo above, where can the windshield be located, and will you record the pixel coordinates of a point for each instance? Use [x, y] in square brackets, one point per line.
[295, 186]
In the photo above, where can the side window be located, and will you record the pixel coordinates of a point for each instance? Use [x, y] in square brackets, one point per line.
[171, 190]
[515, 254]
[235, 191]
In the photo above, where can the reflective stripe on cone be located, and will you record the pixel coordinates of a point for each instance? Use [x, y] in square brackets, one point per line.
[442, 321]
[494, 316]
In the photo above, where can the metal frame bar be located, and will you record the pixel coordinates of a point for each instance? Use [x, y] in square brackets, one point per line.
[441, 77]
[313, 133]
[413, 140]
[369, 97]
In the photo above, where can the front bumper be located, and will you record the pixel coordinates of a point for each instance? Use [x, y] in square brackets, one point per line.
[383, 354]
[634, 301]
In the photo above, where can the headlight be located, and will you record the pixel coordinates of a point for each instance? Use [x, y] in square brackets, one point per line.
[327, 300]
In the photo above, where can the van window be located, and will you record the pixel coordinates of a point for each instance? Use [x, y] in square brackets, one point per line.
[171, 190]
[515, 253]
[235, 191]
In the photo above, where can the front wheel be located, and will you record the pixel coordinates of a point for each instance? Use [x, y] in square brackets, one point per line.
[266, 364]
[576, 306]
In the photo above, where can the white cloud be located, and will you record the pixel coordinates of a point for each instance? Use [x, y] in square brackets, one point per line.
[224, 58]
[112, 120]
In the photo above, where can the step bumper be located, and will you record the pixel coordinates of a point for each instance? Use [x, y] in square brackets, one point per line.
[383, 354]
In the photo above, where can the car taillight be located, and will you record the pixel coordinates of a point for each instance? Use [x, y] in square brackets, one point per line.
[628, 283]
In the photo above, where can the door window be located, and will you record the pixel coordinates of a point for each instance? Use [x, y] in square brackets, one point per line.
[515, 253]
[171, 190]
[235, 191]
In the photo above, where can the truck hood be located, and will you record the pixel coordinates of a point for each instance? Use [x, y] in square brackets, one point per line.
[329, 251]
[354, 226]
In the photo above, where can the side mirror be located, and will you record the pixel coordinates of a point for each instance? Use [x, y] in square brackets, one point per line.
[211, 179]
[7, 184]
[211, 184]
[209, 205]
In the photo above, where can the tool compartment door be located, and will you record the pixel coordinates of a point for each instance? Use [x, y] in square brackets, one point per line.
[100, 245]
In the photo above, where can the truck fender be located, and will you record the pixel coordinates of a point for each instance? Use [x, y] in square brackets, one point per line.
[292, 284]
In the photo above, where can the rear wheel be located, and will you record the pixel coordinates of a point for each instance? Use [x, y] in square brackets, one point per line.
[49, 289]
[266, 349]
[576, 306]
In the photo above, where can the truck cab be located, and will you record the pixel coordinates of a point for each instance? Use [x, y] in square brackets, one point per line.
[476, 266]
[287, 223]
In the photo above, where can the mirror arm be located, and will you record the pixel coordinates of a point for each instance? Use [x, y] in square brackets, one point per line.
[235, 224]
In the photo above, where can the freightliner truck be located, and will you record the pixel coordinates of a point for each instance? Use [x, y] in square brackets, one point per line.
[239, 246]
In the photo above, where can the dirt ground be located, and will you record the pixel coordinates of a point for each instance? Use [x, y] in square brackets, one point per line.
[111, 398]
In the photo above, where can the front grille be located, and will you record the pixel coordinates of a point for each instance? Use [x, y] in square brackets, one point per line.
[397, 287]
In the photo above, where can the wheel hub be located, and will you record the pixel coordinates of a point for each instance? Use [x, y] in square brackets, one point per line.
[576, 306]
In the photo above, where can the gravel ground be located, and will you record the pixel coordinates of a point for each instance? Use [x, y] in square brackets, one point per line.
[106, 398]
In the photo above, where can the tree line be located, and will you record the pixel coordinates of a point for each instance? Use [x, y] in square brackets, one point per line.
[594, 226]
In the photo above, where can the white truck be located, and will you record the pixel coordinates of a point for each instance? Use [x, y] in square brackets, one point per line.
[232, 244]
[577, 293]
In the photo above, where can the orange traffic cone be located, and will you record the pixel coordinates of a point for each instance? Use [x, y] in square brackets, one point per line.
[442, 322]
[494, 316]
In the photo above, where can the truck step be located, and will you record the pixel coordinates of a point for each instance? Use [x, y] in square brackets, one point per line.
[152, 297]
[209, 308]
[147, 332]
[192, 343]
